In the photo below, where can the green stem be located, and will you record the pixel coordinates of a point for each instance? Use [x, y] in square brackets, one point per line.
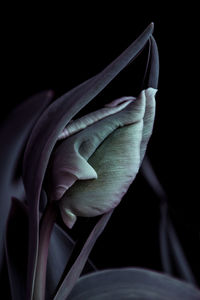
[46, 227]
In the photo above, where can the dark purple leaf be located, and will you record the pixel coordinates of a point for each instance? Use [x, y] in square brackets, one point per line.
[131, 283]
[13, 134]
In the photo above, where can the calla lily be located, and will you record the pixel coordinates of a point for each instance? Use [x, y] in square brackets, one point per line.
[104, 156]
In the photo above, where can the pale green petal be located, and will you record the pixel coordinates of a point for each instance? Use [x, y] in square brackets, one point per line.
[149, 117]
[69, 161]
[116, 162]
[105, 157]
[68, 169]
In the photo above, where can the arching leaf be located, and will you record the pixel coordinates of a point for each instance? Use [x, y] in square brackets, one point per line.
[132, 283]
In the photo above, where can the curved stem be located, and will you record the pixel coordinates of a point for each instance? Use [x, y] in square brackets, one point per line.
[181, 261]
[164, 240]
[76, 269]
[46, 227]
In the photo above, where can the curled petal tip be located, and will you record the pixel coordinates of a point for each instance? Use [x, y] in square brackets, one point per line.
[69, 217]
[59, 192]
[151, 92]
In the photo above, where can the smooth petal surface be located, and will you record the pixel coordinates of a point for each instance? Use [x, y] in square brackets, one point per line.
[112, 148]
[132, 283]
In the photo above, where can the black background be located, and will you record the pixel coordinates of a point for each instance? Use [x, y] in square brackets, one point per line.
[59, 47]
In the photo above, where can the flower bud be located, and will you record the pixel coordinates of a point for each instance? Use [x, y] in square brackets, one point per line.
[93, 167]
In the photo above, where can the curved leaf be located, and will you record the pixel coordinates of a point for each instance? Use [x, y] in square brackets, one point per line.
[152, 78]
[13, 134]
[131, 283]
